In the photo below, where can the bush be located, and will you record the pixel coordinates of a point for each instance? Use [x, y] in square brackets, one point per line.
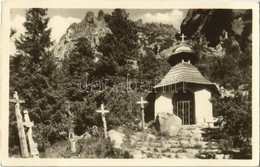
[237, 122]
[206, 155]
[122, 106]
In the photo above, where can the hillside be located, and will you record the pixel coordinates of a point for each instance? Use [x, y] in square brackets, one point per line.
[156, 38]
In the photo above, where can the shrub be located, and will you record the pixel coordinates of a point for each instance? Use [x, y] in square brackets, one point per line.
[237, 118]
[206, 155]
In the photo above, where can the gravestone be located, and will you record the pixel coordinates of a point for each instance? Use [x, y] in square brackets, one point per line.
[32, 145]
[20, 127]
[103, 112]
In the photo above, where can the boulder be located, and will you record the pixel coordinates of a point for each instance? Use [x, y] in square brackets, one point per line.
[133, 140]
[169, 123]
[116, 138]
[86, 135]
[150, 137]
[137, 154]
[186, 144]
[185, 155]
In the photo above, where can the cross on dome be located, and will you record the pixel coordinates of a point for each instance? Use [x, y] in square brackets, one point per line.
[182, 37]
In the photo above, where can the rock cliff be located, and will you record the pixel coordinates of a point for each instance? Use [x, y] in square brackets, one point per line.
[90, 27]
[215, 24]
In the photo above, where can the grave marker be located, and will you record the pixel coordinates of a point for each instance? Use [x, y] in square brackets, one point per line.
[103, 112]
[71, 136]
[32, 145]
[20, 127]
[142, 102]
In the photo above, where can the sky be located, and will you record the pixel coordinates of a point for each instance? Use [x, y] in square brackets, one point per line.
[61, 19]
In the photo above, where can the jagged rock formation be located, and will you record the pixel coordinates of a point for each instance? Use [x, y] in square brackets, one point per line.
[159, 39]
[216, 24]
[90, 27]
[154, 38]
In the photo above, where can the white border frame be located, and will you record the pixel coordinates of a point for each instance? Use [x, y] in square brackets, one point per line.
[99, 4]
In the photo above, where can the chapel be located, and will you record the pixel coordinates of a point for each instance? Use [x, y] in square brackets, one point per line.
[184, 91]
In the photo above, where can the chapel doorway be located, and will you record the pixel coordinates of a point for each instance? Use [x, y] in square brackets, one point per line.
[184, 111]
[183, 107]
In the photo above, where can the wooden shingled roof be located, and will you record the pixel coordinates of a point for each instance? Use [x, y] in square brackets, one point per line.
[183, 72]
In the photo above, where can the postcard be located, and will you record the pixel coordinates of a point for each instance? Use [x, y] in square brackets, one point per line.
[129, 83]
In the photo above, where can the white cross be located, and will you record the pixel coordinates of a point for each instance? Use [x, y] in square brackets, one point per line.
[182, 37]
[103, 111]
[142, 102]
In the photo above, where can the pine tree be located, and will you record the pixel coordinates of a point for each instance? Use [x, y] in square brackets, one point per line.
[32, 66]
[150, 67]
[78, 63]
[120, 48]
[31, 72]
[35, 43]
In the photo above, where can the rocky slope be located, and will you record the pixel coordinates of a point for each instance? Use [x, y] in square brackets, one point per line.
[156, 39]
[215, 24]
[90, 27]
[189, 143]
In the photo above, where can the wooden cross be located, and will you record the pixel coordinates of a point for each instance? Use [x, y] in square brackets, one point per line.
[142, 102]
[68, 108]
[103, 112]
[16, 99]
[20, 127]
[71, 135]
[182, 37]
[32, 145]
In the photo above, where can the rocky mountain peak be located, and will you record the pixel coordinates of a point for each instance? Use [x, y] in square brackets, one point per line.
[90, 27]
[90, 17]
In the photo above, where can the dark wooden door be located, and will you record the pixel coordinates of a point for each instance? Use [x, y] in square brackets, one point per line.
[184, 112]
